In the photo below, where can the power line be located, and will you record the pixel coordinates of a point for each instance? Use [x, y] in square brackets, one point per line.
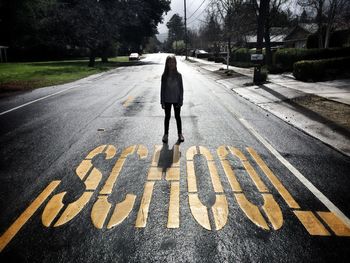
[197, 17]
[196, 9]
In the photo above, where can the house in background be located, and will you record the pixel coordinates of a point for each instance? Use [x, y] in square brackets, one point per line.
[297, 37]
[277, 36]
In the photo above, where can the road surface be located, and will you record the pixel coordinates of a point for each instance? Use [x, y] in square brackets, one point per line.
[86, 178]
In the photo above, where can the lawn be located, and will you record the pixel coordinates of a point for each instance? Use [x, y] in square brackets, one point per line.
[31, 75]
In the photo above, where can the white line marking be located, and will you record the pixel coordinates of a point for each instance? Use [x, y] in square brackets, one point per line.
[33, 101]
[292, 169]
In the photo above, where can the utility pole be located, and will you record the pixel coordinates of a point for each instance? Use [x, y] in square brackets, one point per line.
[185, 29]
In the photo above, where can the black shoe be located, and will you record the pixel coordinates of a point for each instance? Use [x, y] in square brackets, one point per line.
[181, 138]
[165, 138]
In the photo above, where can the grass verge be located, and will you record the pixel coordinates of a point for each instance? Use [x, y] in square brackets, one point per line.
[31, 75]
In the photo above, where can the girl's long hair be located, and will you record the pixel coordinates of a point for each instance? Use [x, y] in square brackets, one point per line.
[166, 68]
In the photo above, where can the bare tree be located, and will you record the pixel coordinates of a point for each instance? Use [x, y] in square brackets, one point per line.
[275, 5]
[237, 17]
[333, 15]
[328, 13]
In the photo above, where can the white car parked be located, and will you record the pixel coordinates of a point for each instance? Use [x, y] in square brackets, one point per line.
[134, 56]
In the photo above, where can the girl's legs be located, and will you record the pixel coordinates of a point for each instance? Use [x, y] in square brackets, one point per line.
[178, 119]
[167, 117]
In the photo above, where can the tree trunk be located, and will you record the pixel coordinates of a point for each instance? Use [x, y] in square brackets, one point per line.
[104, 58]
[263, 9]
[330, 21]
[92, 58]
[327, 36]
[104, 52]
[320, 25]
[268, 57]
[229, 47]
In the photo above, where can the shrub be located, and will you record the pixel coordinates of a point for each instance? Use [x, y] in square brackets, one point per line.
[316, 70]
[241, 55]
[219, 59]
[285, 58]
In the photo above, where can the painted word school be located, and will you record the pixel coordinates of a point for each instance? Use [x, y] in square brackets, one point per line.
[267, 216]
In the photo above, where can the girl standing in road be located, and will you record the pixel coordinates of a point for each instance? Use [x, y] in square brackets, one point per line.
[171, 94]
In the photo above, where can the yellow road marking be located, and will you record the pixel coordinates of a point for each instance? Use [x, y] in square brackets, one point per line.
[251, 211]
[121, 211]
[191, 152]
[220, 211]
[155, 173]
[231, 176]
[176, 156]
[95, 152]
[173, 174]
[128, 151]
[274, 180]
[108, 186]
[311, 223]
[142, 151]
[334, 222]
[83, 168]
[273, 211]
[174, 206]
[222, 153]
[128, 101]
[142, 215]
[110, 152]
[199, 211]
[27, 214]
[206, 153]
[100, 211]
[250, 170]
[91, 183]
[191, 177]
[156, 155]
[215, 177]
[101, 208]
[52, 209]
[93, 179]
[270, 207]
[73, 209]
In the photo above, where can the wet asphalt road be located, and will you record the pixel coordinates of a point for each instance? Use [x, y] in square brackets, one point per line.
[48, 139]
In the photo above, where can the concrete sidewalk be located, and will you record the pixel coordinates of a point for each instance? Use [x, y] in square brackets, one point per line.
[320, 109]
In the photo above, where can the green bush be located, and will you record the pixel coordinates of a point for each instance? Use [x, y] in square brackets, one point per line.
[241, 55]
[317, 70]
[284, 59]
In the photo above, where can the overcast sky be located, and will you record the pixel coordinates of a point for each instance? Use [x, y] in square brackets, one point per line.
[177, 6]
[197, 10]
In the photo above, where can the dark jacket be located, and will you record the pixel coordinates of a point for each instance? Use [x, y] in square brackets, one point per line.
[163, 98]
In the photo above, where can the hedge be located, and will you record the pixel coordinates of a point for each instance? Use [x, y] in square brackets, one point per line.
[316, 70]
[241, 55]
[284, 59]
